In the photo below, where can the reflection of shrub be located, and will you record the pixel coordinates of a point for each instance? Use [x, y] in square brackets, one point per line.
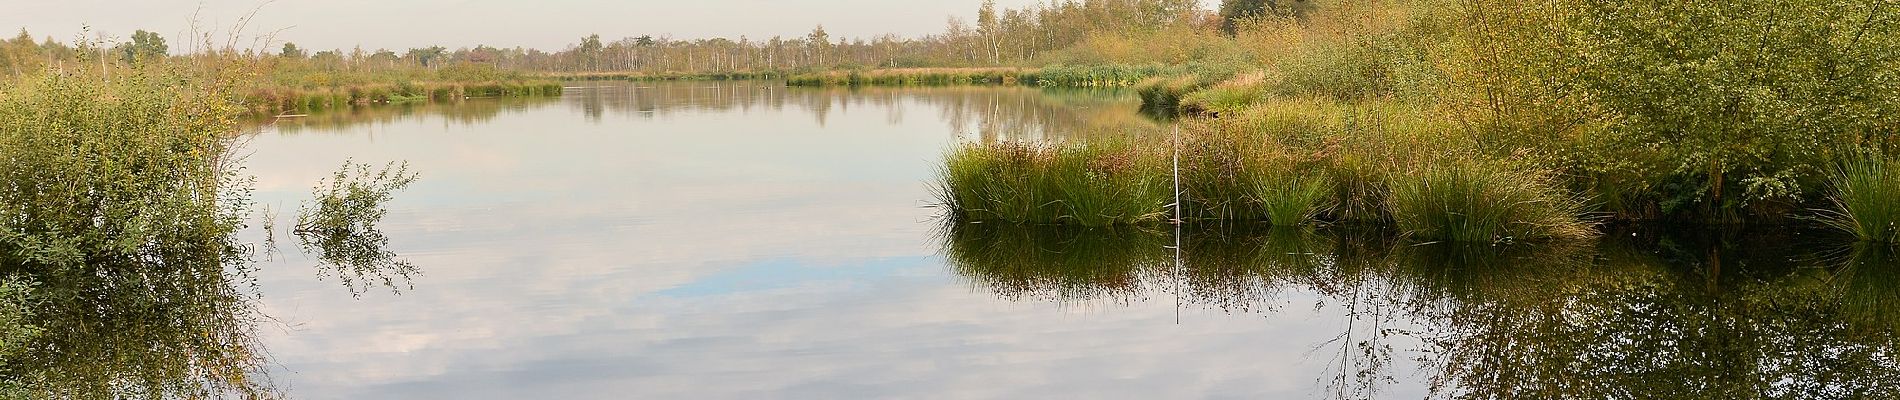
[341, 226]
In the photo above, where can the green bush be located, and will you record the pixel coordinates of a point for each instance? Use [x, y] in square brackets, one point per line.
[122, 204]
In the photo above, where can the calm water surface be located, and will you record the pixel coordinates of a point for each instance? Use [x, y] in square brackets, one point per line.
[747, 240]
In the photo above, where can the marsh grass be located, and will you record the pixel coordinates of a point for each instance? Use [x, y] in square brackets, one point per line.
[1095, 183]
[1065, 76]
[1163, 95]
[1866, 199]
[1228, 97]
[1484, 202]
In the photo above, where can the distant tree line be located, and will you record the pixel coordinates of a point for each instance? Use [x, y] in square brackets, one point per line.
[996, 37]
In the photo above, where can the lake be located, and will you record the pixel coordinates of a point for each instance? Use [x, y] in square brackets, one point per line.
[749, 240]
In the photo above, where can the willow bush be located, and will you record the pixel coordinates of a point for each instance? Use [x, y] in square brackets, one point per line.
[119, 200]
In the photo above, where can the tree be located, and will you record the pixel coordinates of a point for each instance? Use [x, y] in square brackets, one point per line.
[589, 50]
[292, 51]
[144, 46]
[986, 26]
[818, 43]
[1234, 12]
[426, 56]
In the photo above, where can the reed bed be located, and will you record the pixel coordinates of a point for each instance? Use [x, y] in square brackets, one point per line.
[1471, 201]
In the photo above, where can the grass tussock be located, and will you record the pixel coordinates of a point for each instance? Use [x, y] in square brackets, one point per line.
[1098, 183]
[1470, 201]
[1866, 197]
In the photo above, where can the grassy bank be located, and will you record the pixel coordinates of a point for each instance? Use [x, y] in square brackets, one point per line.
[1401, 115]
[1315, 170]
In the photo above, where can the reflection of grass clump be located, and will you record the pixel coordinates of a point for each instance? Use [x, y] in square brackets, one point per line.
[1054, 262]
[341, 226]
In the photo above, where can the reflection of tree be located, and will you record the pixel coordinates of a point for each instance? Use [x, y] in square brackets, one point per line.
[470, 112]
[987, 113]
[1670, 316]
[1634, 326]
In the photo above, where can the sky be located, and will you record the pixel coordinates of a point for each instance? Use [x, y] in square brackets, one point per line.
[543, 24]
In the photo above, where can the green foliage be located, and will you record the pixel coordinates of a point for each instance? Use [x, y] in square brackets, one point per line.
[145, 46]
[340, 227]
[1234, 13]
[1866, 196]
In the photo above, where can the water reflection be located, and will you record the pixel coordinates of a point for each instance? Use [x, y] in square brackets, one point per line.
[977, 113]
[1672, 316]
[465, 113]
